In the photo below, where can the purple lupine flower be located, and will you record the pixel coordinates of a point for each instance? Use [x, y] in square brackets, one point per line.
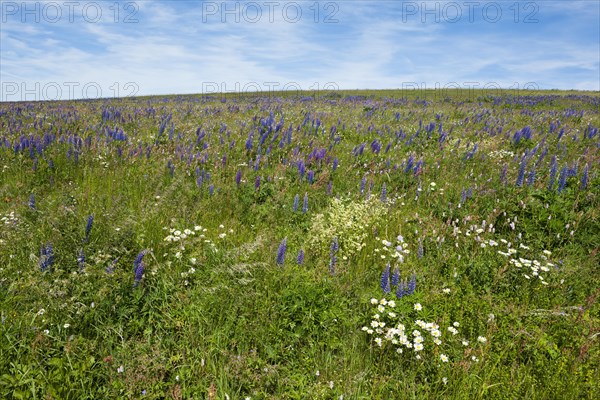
[296, 199]
[281, 252]
[305, 204]
[257, 183]
[395, 276]
[139, 258]
[334, 246]
[332, 255]
[81, 260]
[384, 283]
[238, 177]
[335, 164]
[409, 163]
[517, 137]
[590, 131]
[531, 177]
[300, 258]
[526, 132]
[361, 148]
[49, 255]
[332, 264]
[412, 284]
[301, 169]
[521, 175]
[562, 179]
[384, 193]
[88, 227]
[387, 288]
[329, 187]
[363, 183]
[400, 290]
[375, 146]
[257, 162]
[211, 189]
[503, 174]
[542, 155]
[310, 176]
[572, 170]
[46, 257]
[32, 201]
[584, 177]
[139, 273]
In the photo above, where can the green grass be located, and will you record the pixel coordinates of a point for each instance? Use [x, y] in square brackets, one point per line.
[215, 317]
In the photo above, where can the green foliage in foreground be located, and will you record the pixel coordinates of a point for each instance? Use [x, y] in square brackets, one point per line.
[512, 268]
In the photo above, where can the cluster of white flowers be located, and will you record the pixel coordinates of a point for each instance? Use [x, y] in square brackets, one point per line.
[387, 327]
[9, 219]
[175, 235]
[398, 250]
[500, 154]
[532, 268]
[189, 272]
[475, 231]
[433, 188]
[180, 236]
[536, 268]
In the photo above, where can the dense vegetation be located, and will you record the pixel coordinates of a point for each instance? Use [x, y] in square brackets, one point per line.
[343, 245]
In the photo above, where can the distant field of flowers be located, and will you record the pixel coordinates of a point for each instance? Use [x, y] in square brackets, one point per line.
[342, 245]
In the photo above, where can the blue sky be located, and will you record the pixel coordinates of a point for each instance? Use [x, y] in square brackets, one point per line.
[88, 49]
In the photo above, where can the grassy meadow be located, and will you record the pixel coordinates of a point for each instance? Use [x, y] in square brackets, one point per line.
[329, 245]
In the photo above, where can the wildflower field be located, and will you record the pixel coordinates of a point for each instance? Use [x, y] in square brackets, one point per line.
[332, 245]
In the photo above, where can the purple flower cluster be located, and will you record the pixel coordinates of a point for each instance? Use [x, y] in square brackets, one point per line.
[138, 267]
[88, 227]
[46, 257]
[281, 252]
[332, 255]
[384, 282]
[406, 289]
[300, 258]
[389, 279]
